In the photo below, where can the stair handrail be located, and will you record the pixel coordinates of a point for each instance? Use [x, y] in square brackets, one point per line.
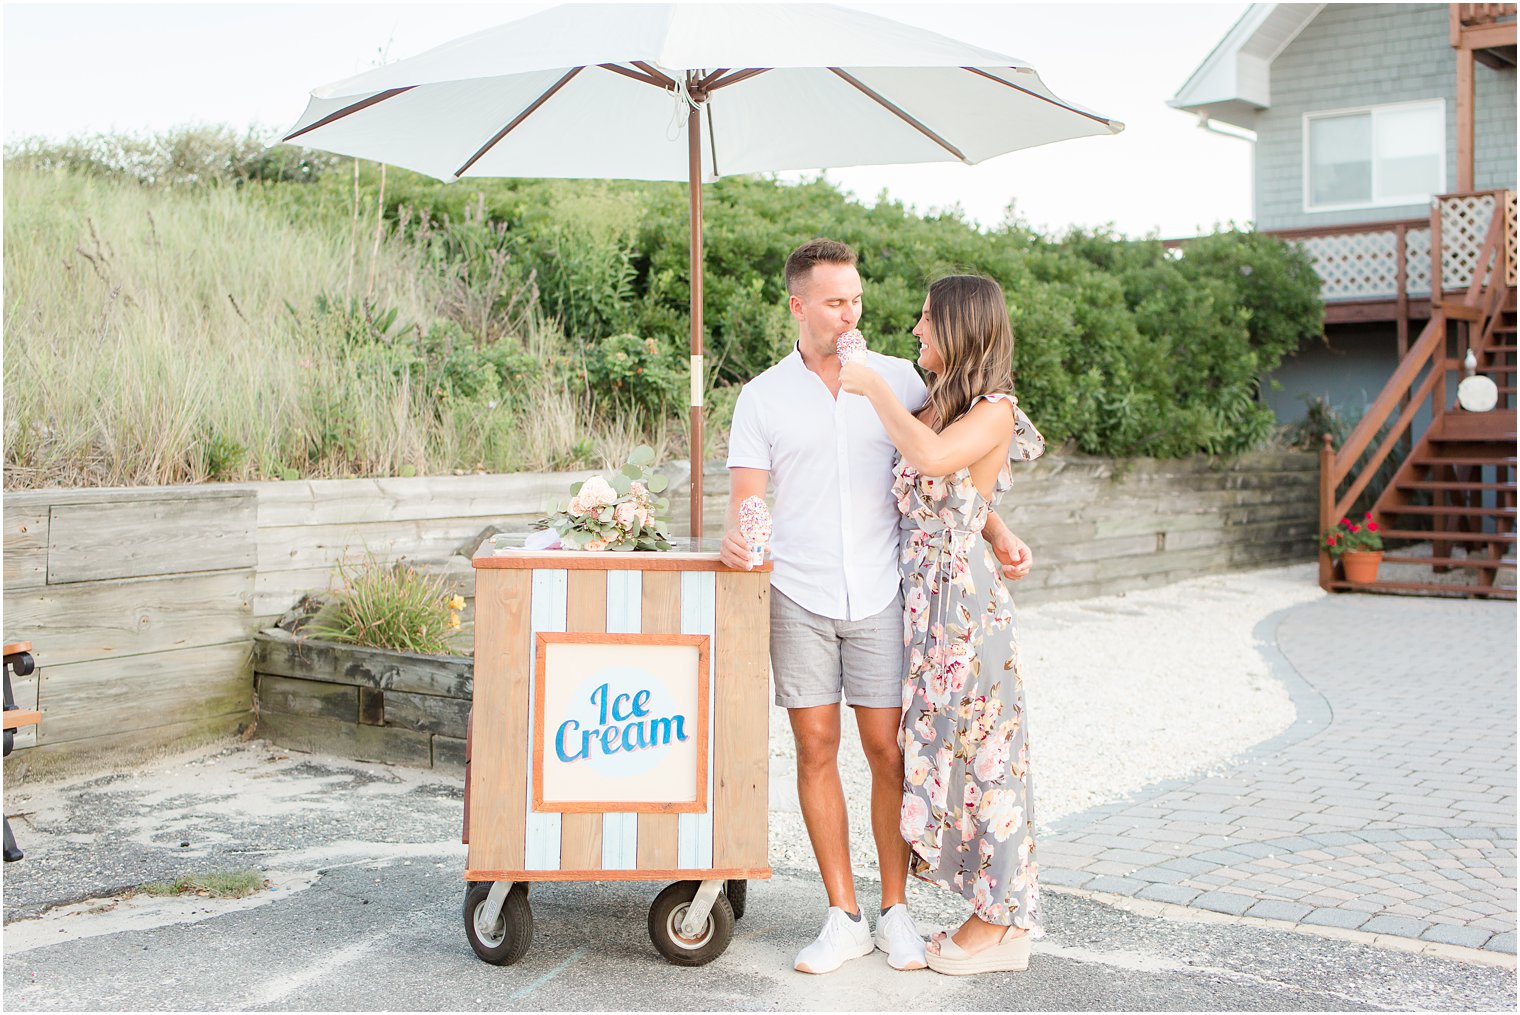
[1480, 302]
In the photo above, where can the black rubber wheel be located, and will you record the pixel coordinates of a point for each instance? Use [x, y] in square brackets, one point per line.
[737, 892]
[665, 916]
[507, 940]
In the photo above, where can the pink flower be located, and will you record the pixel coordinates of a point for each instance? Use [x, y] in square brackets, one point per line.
[991, 763]
[982, 892]
[596, 545]
[596, 492]
[915, 817]
[625, 514]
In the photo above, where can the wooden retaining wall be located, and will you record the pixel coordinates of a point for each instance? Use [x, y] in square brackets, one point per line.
[1099, 525]
[139, 608]
[141, 604]
[363, 703]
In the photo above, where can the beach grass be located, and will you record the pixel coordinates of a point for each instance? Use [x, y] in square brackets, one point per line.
[193, 334]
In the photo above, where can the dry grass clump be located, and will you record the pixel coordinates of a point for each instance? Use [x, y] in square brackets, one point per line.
[214, 885]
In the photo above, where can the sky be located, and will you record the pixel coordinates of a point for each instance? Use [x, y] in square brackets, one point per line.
[140, 68]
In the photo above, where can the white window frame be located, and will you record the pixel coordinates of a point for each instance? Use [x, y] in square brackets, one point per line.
[1439, 105]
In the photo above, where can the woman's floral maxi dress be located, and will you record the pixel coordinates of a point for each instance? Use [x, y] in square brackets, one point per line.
[966, 805]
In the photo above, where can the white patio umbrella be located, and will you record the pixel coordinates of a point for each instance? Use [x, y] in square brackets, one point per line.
[690, 92]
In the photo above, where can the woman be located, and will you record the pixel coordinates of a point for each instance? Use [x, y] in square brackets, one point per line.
[966, 804]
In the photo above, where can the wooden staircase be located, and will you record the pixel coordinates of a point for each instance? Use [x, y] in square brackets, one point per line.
[1455, 487]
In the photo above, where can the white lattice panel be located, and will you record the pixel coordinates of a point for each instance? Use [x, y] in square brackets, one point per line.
[1464, 222]
[1355, 266]
[1417, 262]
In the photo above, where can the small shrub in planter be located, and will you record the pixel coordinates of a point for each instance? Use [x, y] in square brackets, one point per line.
[390, 607]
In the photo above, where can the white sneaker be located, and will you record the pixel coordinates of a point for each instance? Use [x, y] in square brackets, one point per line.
[897, 935]
[840, 940]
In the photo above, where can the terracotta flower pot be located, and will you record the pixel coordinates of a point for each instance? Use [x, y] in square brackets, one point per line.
[1361, 566]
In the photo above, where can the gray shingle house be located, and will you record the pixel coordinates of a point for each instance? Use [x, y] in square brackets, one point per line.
[1357, 115]
[1384, 144]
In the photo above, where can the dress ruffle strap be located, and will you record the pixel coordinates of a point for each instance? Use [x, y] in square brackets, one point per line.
[1028, 443]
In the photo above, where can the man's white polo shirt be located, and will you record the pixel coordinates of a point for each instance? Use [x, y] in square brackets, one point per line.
[834, 538]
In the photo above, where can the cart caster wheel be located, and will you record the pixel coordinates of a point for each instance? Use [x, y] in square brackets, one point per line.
[737, 892]
[665, 916]
[507, 940]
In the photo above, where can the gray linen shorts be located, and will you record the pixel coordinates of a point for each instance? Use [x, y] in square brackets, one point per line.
[813, 658]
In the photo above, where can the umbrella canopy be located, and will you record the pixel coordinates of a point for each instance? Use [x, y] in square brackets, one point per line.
[690, 92]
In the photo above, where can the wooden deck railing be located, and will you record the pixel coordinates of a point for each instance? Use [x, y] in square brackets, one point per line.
[1472, 15]
[1420, 378]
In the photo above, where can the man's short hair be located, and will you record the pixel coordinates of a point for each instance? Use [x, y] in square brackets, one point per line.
[799, 264]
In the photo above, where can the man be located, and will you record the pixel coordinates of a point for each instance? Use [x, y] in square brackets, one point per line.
[836, 603]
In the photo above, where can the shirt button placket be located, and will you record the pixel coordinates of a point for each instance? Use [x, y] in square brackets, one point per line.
[846, 529]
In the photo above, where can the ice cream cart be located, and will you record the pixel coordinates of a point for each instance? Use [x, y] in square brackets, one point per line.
[618, 733]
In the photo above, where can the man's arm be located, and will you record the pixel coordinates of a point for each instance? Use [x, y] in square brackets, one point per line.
[742, 484]
[1011, 551]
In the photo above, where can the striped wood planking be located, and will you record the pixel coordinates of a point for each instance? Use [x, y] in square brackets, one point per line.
[580, 843]
[543, 828]
[620, 829]
[660, 614]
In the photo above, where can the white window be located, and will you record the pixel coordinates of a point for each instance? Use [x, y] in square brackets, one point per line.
[1369, 158]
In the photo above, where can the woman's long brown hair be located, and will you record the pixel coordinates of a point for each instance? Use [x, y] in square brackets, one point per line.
[972, 333]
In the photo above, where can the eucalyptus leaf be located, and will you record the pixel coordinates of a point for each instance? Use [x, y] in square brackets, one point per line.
[657, 483]
[641, 455]
[621, 484]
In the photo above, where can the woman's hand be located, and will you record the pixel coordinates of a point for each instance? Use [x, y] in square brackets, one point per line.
[856, 378]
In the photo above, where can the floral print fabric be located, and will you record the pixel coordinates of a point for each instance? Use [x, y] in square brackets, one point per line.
[966, 810]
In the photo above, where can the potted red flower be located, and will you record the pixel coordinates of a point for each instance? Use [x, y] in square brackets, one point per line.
[1358, 546]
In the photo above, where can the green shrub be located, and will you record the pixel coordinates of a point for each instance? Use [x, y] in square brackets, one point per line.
[256, 317]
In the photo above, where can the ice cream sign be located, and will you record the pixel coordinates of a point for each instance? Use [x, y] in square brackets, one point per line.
[620, 722]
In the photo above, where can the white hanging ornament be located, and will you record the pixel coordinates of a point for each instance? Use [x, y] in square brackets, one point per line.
[1476, 393]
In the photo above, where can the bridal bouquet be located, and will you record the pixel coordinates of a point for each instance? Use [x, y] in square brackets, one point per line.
[617, 512]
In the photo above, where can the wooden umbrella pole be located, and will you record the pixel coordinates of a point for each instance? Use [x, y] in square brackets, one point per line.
[694, 149]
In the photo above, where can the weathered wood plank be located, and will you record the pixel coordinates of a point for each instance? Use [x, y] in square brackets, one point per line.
[580, 844]
[742, 735]
[25, 690]
[348, 740]
[498, 790]
[26, 543]
[448, 752]
[427, 713]
[277, 652]
[352, 501]
[134, 538]
[41, 500]
[122, 617]
[81, 700]
[299, 547]
[308, 697]
[114, 747]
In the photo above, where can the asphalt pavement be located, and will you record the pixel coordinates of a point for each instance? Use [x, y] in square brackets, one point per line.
[364, 912]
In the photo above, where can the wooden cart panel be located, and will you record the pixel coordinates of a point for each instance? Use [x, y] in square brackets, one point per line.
[508, 838]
